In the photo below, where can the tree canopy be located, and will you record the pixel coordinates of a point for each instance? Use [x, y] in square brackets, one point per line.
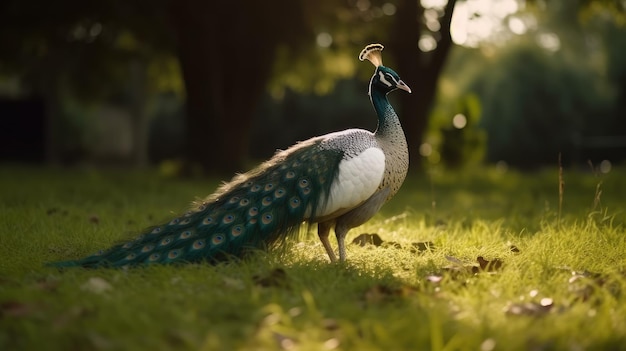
[221, 58]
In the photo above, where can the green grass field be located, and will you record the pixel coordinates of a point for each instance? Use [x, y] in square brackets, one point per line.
[551, 277]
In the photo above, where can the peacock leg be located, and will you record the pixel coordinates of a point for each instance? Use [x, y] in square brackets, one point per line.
[323, 230]
[358, 216]
[340, 232]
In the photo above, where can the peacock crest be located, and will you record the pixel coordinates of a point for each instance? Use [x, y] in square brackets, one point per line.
[372, 53]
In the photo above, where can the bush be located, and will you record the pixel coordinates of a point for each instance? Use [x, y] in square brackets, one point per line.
[536, 105]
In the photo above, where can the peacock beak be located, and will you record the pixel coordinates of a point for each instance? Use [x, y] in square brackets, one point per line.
[403, 86]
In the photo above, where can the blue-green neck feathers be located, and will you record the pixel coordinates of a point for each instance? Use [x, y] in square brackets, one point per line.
[382, 83]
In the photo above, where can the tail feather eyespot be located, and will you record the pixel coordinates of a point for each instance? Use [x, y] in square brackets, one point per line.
[229, 218]
[217, 239]
[198, 244]
[305, 191]
[280, 192]
[253, 211]
[294, 202]
[236, 231]
[186, 234]
[267, 218]
[266, 201]
[173, 254]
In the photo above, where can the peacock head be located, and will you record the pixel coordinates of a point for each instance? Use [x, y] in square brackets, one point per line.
[384, 79]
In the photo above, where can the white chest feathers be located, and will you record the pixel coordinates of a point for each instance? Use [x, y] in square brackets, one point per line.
[359, 177]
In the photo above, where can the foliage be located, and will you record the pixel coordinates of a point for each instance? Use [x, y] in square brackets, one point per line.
[298, 116]
[130, 53]
[531, 119]
[79, 58]
[69, 51]
[457, 146]
[547, 85]
[82, 48]
[561, 278]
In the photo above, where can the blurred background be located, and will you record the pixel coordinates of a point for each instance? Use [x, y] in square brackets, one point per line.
[216, 86]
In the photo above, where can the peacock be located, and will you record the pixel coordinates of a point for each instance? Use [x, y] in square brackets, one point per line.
[338, 180]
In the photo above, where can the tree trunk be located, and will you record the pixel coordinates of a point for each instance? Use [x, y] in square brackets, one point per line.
[420, 70]
[195, 31]
[226, 50]
[140, 120]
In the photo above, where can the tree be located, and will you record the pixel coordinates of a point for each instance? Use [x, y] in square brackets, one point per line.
[226, 50]
[218, 122]
[75, 50]
[228, 53]
[419, 66]
[550, 84]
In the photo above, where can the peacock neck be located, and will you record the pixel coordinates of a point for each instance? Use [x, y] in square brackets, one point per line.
[388, 121]
[391, 140]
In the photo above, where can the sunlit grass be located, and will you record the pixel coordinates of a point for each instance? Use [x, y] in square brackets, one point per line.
[561, 287]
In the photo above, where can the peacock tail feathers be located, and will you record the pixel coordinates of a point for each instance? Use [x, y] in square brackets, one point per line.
[253, 211]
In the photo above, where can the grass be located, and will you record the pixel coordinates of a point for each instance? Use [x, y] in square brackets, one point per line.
[563, 286]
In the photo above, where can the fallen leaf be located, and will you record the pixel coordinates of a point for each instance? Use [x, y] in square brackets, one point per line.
[365, 238]
[330, 324]
[530, 308]
[460, 268]
[456, 272]
[331, 344]
[47, 284]
[455, 260]
[423, 246]
[233, 283]
[15, 309]
[488, 345]
[380, 292]
[489, 266]
[391, 244]
[584, 284]
[434, 278]
[96, 285]
[440, 223]
[514, 249]
[71, 316]
[100, 342]
[277, 277]
[285, 342]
